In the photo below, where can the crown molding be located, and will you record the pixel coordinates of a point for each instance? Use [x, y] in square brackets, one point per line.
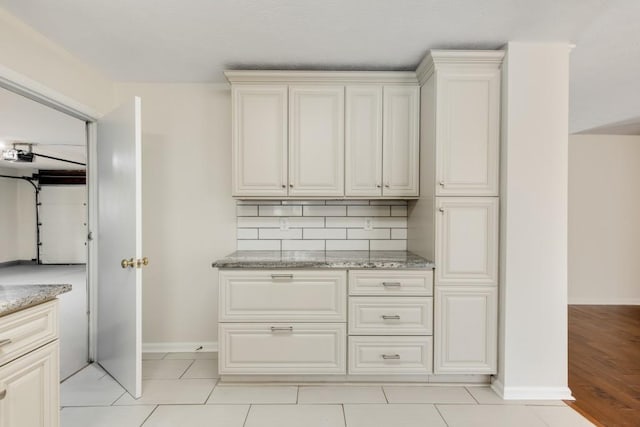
[322, 77]
[437, 58]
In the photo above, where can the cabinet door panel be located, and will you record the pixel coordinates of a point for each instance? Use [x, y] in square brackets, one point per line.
[400, 141]
[466, 323]
[316, 151]
[468, 123]
[466, 241]
[363, 144]
[32, 385]
[259, 140]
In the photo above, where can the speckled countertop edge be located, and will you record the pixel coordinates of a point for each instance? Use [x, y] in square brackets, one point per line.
[17, 297]
[324, 259]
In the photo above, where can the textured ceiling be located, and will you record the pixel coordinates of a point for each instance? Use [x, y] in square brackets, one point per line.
[195, 40]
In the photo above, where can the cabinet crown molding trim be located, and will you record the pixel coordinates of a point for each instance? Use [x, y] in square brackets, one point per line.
[321, 77]
[435, 58]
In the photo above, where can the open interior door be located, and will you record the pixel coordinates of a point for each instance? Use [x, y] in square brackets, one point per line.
[119, 329]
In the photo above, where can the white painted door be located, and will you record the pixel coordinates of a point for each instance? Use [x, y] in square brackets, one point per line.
[466, 330]
[259, 140]
[363, 141]
[120, 238]
[466, 240]
[468, 132]
[401, 141]
[63, 219]
[316, 143]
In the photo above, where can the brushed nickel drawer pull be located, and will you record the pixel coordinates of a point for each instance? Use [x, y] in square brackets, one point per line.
[281, 276]
[391, 356]
[392, 317]
[5, 342]
[282, 328]
[391, 284]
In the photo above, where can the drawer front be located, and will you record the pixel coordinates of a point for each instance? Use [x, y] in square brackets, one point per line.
[282, 348]
[26, 330]
[390, 355]
[390, 316]
[283, 296]
[391, 282]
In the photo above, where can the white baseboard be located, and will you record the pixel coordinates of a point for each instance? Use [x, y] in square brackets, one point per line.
[178, 347]
[604, 301]
[531, 393]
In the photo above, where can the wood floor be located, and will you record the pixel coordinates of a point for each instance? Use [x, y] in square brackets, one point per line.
[604, 363]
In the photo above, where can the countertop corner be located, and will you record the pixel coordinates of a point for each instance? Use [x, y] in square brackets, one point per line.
[17, 297]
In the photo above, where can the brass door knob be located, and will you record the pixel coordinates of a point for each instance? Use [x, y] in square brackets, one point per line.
[142, 262]
[127, 263]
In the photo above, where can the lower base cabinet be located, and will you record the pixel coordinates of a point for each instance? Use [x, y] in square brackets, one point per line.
[390, 355]
[466, 325]
[278, 348]
[29, 387]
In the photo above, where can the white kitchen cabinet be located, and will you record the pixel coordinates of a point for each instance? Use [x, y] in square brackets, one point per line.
[260, 140]
[391, 282]
[400, 141]
[363, 144]
[316, 141]
[390, 316]
[467, 130]
[467, 240]
[466, 325]
[390, 355]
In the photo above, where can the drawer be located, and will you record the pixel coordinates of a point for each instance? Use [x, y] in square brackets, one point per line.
[391, 282]
[283, 296]
[26, 330]
[390, 355]
[390, 316]
[282, 348]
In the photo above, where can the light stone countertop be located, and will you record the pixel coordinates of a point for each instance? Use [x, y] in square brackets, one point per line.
[324, 259]
[17, 297]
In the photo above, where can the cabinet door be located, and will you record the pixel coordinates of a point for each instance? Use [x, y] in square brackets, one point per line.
[29, 389]
[467, 132]
[400, 141]
[466, 329]
[466, 240]
[259, 140]
[316, 150]
[363, 144]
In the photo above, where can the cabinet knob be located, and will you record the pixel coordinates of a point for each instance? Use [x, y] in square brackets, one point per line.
[386, 186]
[441, 210]
[3, 394]
[378, 186]
[441, 183]
[284, 186]
[291, 185]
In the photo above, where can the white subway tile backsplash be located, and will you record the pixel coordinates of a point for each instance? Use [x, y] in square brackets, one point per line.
[368, 211]
[399, 233]
[347, 245]
[324, 233]
[303, 245]
[324, 210]
[388, 245]
[258, 245]
[247, 233]
[280, 210]
[376, 233]
[276, 233]
[321, 225]
[398, 211]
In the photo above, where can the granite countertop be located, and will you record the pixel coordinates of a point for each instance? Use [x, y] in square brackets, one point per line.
[323, 259]
[16, 297]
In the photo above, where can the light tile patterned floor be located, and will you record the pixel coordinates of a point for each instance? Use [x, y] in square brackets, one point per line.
[182, 389]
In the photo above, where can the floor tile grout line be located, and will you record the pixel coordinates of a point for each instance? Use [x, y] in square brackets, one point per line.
[186, 370]
[472, 396]
[344, 414]
[246, 417]
[297, 395]
[149, 416]
[206, 401]
[441, 416]
[384, 393]
[119, 397]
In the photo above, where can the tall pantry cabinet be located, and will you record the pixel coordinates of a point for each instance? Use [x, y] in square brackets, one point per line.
[456, 220]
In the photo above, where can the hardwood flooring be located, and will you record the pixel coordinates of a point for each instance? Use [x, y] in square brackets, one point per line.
[604, 363]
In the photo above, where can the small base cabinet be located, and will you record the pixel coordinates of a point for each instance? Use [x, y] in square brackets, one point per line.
[29, 367]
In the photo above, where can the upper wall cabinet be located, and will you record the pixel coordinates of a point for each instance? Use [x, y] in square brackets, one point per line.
[259, 140]
[316, 134]
[316, 145]
[382, 141]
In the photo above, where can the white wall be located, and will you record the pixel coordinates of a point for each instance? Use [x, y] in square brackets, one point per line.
[532, 349]
[188, 212]
[29, 53]
[17, 217]
[604, 219]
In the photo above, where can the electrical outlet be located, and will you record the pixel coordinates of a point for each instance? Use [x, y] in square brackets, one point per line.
[368, 224]
[284, 224]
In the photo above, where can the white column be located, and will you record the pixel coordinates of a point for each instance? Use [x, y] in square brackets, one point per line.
[533, 250]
